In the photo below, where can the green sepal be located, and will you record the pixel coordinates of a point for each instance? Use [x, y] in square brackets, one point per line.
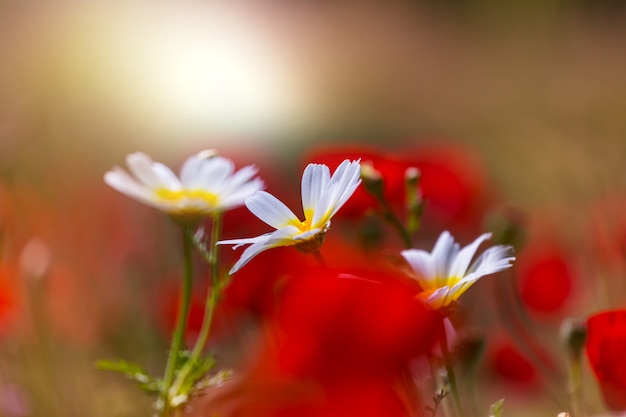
[497, 409]
[199, 370]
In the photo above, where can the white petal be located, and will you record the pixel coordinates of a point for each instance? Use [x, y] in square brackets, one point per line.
[438, 298]
[271, 210]
[341, 186]
[421, 263]
[463, 285]
[189, 172]
[314, 181]
[444, 250]
[215, 171]
[272, 240]
[166, 177]
[284, 236]
[140, 165]
[242, 176]
[464, 257]
[250, 252]
[349, 181]
[306, 235]
[494, 259]
[236, 197]
[244, 241]
[118, 179]
[124, 183]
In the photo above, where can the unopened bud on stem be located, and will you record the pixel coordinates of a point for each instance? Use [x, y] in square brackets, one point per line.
[372, 180]
[573, 334]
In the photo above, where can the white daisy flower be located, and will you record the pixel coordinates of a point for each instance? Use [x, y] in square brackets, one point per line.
[448, 271]
[322, 197]
[207, 184]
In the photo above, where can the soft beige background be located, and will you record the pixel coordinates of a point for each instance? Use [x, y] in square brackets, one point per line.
[538, 90]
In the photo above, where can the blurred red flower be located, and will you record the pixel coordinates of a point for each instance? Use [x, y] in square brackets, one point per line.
[255, 291]
[453, 182]
[10, 305]
[351, 319]
[545, 275]
[510, 364]
[606, 344]
[339, 344]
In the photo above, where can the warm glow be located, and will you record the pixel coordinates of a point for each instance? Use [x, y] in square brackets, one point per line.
[170, 71]
[206, 70]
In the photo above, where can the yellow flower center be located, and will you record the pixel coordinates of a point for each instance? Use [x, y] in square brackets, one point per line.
[304, 226]
[176, 196]
[451, 281]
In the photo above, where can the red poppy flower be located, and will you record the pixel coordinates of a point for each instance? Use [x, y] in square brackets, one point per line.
[339, 344]
[272, 395]
[545, 276]
[452, 181]
[352, 319]
[509, 363]
[606, 344]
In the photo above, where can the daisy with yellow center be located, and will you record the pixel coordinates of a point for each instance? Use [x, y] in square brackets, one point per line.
[322, 197]
[207, 184]
[448, 271]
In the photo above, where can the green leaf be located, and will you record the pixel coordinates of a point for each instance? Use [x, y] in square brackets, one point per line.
[131, 371]
[497, 409]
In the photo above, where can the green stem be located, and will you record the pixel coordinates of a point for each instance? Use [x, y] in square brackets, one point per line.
[214, 293]
[214, 290]
[449, 365]
[181, 323]
[389, 215]
[374, 186]
[439, 387]
[576, 386]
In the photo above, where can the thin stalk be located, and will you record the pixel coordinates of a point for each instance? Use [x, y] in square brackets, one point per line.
[576, 386]
[449, 366]
[513, 313]
[389, 215]
[214, 293]
[319, 258]
[181, 323]
[374, 185]
[438, 386]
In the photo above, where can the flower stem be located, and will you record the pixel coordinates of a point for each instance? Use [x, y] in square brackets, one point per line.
[320, 259]
[374, 186]
[389, 215]
[181, 323]
[214, 293]
[449, 366]
[575, 386]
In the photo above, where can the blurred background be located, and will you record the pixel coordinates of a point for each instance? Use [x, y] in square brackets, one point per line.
[531, 95]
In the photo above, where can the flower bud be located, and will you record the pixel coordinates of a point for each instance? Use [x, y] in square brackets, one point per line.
[372, 180]
[573, 334]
